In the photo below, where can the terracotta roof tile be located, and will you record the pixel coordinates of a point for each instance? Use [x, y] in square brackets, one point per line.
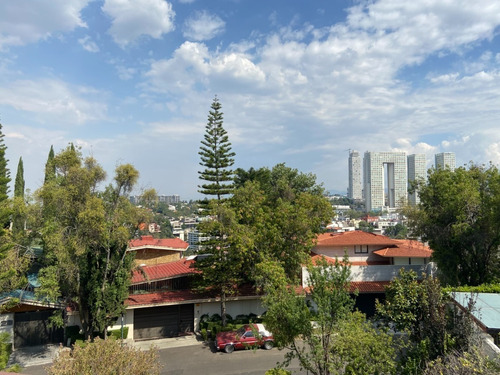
[163, 271]
[167, 243]
[353, 238]
[368, 286]
[405, 249]
[316, 257]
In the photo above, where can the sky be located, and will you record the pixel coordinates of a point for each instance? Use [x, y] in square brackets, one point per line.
[300, 82]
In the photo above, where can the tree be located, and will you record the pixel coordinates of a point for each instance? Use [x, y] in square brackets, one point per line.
[18, 216]
[216, 156]
[293, 210]
[4, 185]
[50, 168]
[459, 215]
[325, 336]
[85, 234]
[435, 326]
[397, 231]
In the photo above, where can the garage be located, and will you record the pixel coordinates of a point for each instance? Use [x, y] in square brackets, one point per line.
[32, 328]
[163, 321]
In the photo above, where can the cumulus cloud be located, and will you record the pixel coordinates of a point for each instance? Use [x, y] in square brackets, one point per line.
[53, 98]
[25, 21]
[203, 26]
[132, 19]
[88, 44]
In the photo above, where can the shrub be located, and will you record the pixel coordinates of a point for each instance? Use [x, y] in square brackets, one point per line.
[112, 359]
[241, 319]
[278, 371]
[117, 333]
[5, 349]
[215, 318]
[204, 334]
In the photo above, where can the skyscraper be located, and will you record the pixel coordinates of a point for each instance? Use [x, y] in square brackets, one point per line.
[416, 171]
[355, 190]
[385, 179]
[445, 160]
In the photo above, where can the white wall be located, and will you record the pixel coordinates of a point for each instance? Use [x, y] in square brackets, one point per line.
[233, 308]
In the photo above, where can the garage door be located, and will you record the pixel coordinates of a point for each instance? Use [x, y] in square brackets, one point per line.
[164, 321]
[32, 328]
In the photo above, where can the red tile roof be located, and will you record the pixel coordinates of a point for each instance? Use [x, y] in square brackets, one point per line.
[368, 286]
[173, 296]
[163, 271]
[166, 243]
[406, 249]
[353, 238]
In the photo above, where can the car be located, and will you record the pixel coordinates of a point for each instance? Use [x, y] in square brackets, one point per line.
[247, 336]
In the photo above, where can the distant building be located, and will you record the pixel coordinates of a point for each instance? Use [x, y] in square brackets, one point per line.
[445, 160]
[355, 185]
[169, 199]
[416, 171]
[385, 180]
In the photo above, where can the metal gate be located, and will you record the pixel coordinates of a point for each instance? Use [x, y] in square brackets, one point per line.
[163, 321]
[32, 328]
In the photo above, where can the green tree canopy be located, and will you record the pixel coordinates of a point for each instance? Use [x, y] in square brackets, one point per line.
[322, 332]
[459, 215]
[85, 234]
[50, 168]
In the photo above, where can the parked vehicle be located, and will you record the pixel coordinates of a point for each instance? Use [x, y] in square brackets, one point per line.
[247, 336]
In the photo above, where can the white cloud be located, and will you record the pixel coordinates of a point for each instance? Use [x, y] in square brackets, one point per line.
[53, 98]
[26, 21]
[88, 44]
[203, 26]
[134, 18]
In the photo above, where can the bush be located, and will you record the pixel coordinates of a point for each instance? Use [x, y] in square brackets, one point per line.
[204, 334]
[5, 349]
[215, 318]
[117, 333]
[112, 359]
[241, 319]
[278, 371]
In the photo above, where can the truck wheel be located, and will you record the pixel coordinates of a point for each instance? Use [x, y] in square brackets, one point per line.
[229, 348]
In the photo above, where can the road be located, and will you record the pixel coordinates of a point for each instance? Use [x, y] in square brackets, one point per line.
[202, 359]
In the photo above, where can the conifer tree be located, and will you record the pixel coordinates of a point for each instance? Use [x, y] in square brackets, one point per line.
[19, 184]
[216, 156]
[4, 186]
[18, 215]
[50, 168]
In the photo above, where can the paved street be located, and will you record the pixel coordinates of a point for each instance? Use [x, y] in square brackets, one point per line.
[202, 359]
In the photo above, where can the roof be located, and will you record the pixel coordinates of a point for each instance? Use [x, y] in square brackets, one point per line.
[351, 238]
[368, 286]
[177, 296]
[163, 271]
[405, 249]
[158, 243]
[486, 307]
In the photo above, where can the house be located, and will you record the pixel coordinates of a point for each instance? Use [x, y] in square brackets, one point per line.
[375, 260]
[162, 302]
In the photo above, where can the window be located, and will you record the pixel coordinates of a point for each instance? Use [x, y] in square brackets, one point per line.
[360, 249]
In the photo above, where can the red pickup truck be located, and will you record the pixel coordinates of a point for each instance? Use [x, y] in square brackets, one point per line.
[248, 336]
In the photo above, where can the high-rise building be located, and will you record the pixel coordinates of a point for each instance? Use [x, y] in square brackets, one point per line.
[385, 180]
[416, 171]
[445, 160]
[355, 187]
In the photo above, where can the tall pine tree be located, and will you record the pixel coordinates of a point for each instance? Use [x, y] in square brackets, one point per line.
[216, 157]
[50, 168]
[4, 186]
[18, 216]
[19, 183]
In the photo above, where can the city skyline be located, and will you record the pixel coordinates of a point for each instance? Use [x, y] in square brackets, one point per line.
[299, 83]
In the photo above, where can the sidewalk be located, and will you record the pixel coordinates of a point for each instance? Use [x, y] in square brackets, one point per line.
[45, 354]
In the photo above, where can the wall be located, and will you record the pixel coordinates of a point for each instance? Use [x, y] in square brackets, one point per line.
[151, 257]
[233, 308]
[339, 252]
[7, 325]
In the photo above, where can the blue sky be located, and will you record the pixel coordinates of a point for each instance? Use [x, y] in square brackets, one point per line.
[300, 82]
